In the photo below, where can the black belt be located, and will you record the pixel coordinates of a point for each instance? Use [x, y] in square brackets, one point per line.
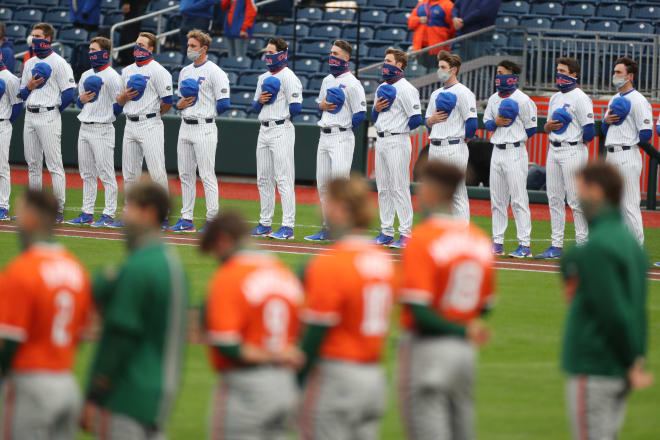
[382, 134]
[267, 123]
[625, 148]
[329, 130]
[558, 144]
[450, 142]
[503, 146]
[195, 121]
[38, 109]
[137, 118]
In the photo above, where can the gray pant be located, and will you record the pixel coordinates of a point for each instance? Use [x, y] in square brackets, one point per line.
[40, 406]
[253, 404]
[237, 46]
[343, 401]
[596, 406]
[436, 380]
[113, 426]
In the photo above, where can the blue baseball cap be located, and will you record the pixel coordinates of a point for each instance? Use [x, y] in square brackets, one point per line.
[3, 87]
[138, 83]
[42, 70]
[189, 87]
[564, 117]
[388, 92]
[271, 85]
[93, 83]
[335, 95]
[508, 109]
[620, 106]
[445, 102]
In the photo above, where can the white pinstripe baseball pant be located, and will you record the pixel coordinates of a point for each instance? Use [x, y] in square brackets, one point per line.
[196, 150]
[562, 164]
[144, 140]
[629, 164]
[5, 172]
[42, 135]
[334, 158]
[508, 183]
[276, 167]
[393, 181]
[96, 159]
[458, 156]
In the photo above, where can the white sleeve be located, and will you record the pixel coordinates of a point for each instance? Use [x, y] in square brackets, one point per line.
[257, 91]
[322, 92]
[489, 113]
[27, 75]
[584, 111]
[221, 87]
[356, 98]
[13, 88]
[163, 83]
[64, 76]
[431, 107]
[410, 102]
[292, 89]
[529, 114]
[643, 115]
[467, 105]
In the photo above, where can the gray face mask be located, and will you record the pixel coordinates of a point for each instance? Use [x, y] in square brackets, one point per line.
[193, 55]
[444, 75]
[618, 82]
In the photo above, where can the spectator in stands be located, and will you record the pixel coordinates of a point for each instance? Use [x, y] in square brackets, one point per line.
[130, 33]
[85, 14]
[470, 16]
[431, 23]
[195, 14]
[7, 49]
[239, 22]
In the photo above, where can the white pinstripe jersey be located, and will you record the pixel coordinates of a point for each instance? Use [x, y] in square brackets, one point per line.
[405, 105]
[581, 109]
[290, 93]
[355, 100]
[61, 79]
[159, 85]
[213, 85]
[454, 126]
[526, 118]
[10, 98]
[639, 118]
[101, 110]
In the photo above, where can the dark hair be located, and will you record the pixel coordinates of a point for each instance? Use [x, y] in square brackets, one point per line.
[399, 57]
[230, 223]
[279, 44]
[354, 194]
[442, 175]
[104, 43]
[631, 65]
[571, 63]
[453, 59]
[44, 203]
[47, 29]
[345, 46]
[511, 66]
[607, 177]
[150, 194]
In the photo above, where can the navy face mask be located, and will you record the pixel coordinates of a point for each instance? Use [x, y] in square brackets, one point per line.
[141, 55]
[99, 58]
[565, 83]
[277, 61]
[337, 65]
[506, 84]
[41, 47]
[391, 73]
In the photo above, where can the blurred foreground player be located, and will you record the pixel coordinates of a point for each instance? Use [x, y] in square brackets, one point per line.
[252, 324]
[448, 283]
[44, 304]
[136, 370]
[605, 337]
[350, 292]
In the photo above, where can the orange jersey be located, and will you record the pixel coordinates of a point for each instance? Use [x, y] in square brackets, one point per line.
[448, 266]
[439, 26]
[351, 289]
[45, 303]
[254, 299]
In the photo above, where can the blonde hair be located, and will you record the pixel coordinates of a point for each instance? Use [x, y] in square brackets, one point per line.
[354, 195]
[149, 36]
[399, 57]
[104, 43]
[203, 38]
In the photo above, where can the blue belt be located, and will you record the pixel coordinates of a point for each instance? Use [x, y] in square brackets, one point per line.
[38, 109]
[612, 150]
[329, 130]
[267, 123]
[450, 142]
[195, 121]
[503, 146]
[137, 118]
[558, 144]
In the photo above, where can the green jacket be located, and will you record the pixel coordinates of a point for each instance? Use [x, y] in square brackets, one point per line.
[606, 326]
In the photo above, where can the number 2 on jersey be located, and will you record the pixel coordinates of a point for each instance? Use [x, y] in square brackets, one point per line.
[64, 305]
[377, 300]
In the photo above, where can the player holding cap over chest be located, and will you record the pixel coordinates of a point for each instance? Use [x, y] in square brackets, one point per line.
[277, 99]
[98, 90]
[204, 89]
[511, 115]
[628, 121]
[452, 118]
[344, 107]
[570, 128]
[396, 111]
[11, 106]
[47, 87]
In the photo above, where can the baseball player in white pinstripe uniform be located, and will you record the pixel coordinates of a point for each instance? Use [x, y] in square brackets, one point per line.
[277, 99]
[11, 106]
[204, 91]
[344, 107]
[47, 87]
[452, 120]
[570, 127]
[628, 121]
[396, 112]
[147, 95]
[97, 91]
[511, 115]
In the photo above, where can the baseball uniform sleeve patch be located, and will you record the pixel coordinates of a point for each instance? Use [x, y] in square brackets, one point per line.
[71, 80]
[295, 95]
[416, 106]
[363, 103]
[168, 88]
[647, 121]
[590, 115]
[533, 118]
[473, 110]
[224, 90]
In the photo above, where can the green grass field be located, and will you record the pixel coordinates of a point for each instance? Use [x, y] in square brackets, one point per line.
[520, 387]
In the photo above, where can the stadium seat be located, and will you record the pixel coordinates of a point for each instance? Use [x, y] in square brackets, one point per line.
[602, 26]
[374, 16]
[416, 70]
[350, 33]
[409, 4]
[235, 114]
[110, 19]
[306, 119]
[16, 32]
[327, 32]
[237, 63]
[241, 98]
[16, 3]
[536, 23]
[159, 5]
[514, 8]
[219, 45]
[315, 48]
[377, 51]
[635, 27]
[110, 5]
[169, 58]
[506, 21]
[500, 40]
[613, 10]
[175, 76]
[309, 103]
[56, 17]
[258, 64]
[391, 34]
[648, 11]
[18, 68]
[370, 85]
[547, 8]
[313, 14]
[286, 30]
[151, 24]
[213, 58]
[581, 9]
[252, 115]
[364, 49]
[46, 3]
[28, 16]
[344, 15]
[6, 14]
[568, 24]
[249, 79]
[73, 36]
[265, 28]
[308, 65]
[315, 84]
[398, 18]
[388, 4]
[233, 77]
[255, 45]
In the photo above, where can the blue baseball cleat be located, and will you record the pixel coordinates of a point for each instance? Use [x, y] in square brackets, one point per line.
[383, 240]
[201, 231]
[322, 235]
[498, 249]
[183, 225]
[657, 264]
[4, 215]
[82, 219]
[521, 252]
[261, 231]
[165, 225]
[284, 233]
[117, 225]
[103, 222]
[551, 253]
[60, 218]
[401, 243]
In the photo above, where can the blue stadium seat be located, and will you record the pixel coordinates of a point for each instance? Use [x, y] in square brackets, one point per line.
[235, 114]
[385, 3]
[175, 76]
[391, 34]
[327, 32]
[159, 5]
[398, 18]
[613, 10]
[370, 85]
[169, 58]
[506, 21]
[241, 98]
[602, 26]
[233, 78]
[252, 115]
[580, 9]
[249, 79]
[377, 51]
[17, 2]
[350, 33]
[47, 3]
[213, 58]
[110, 19]
[64, 51]
[73, 36]
[151, 24]
[315, 84]
[219, 45]
[28, 16]
[255, 45]
[6, 14]
[568, 24]
[265, 28]
[16, 32]
[547, 8]
[18, 68]
[517, 7]
[536, 23]
[635, 27]
[313, 14]
[416, 70]
[237, 63]
[286, 30]
[308, 65]
[364, 49]
[374, 16]
[110, 5]
[258, 64]
[56, 17]
[306, 119]
[346, 15]
[304, 81]
[409, 4]
[500, 40]
[315, 48]
[309, 103]
[647, 11]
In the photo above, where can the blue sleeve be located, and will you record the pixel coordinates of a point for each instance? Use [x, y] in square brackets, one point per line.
[358, 118]
[490, 125]
[415, 121]
[8, 58]
[645, 135]
[374, 114]
[588, 133]
[481, 12]
[530, 132]
[25, 92]
[470, 128]
[16, 110]
[457, 9]
[295, 108]
[167, 100]
[79, 103]
[117, 109]
[426, 122]
[604, 127]
[657, 130]
[222, 105]
[256, 106]
[67, 98]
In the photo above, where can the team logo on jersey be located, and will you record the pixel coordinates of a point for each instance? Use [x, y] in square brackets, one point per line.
[295, 95]
[416, 106]
[646, 121]
[363, 104]
[590, 115]
[200, 80]
[566, 106]
[71, 80]
[533, 118]
[473, 110]
[223, 91]
[168, 88]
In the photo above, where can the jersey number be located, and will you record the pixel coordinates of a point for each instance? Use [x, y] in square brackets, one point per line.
[464, 288]
[377, 299]
[64, 303]
[276, 321]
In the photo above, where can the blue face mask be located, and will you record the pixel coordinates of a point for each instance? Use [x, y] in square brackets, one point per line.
[277, 61]
[565, 83]
[506, 84]
[41, 47]
[337, 66]
[99, 58]
[391, 74]
[141, 55]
